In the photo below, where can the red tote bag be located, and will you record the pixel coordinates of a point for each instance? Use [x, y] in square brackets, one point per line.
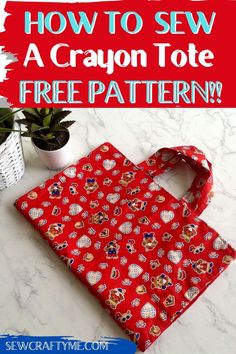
[144, 254]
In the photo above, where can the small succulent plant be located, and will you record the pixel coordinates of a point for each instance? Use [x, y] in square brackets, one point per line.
[46, 127]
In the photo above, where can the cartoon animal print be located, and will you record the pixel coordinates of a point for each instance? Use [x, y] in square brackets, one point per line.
[155, 331]
[54, 230]
[144, 220]
[135, 336]
[98, 218]
[130, 246]
[161, 282]
[149, 241]
[112, 250]
[137, 205]
[115, 273]
[151, 162]
[197, 249]
[167, 237]
[169, 301]
[60, 246]
[188, 232]
[87, 167]
[116, 296]
[107, 182]
[127, 178]
[94, 204]
[123, 317]
[73, 189]
[227, 259]
[126, 162]
[154, 264]
[133, 191]
[68, 261]
[56, 211]
[55, 190]
[202, 267]
[117, 211]
[104, 233]
[186, 211]
[91, 185]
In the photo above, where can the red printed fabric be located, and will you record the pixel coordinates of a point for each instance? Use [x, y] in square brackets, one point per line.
[144, 254]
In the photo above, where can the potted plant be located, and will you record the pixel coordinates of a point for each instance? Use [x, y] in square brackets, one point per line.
[49, 134]
[12, 164]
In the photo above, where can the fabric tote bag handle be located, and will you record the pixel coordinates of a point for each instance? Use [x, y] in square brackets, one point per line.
[199, 195]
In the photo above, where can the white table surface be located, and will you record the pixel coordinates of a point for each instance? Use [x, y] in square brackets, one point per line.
[39, 296]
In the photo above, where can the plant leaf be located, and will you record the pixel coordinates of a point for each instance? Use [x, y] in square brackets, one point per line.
[50, 135]
[8, 130]
[4, 130]
[32, 118]
[67, 123]
[7, 115]
[35, 127]
[5, 111]
[31, 111]
[59, 116]
[47, 120]
[23, 121]
[27, 134]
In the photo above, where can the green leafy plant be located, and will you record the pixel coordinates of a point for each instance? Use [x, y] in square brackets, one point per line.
[6, 123]
[46, 127]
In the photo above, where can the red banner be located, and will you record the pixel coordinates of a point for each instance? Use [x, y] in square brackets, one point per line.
[121, 54]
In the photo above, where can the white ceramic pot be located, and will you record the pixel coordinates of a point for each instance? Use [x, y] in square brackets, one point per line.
[57, 159]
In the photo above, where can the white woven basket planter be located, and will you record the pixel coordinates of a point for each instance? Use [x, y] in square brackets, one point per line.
[12, 166]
